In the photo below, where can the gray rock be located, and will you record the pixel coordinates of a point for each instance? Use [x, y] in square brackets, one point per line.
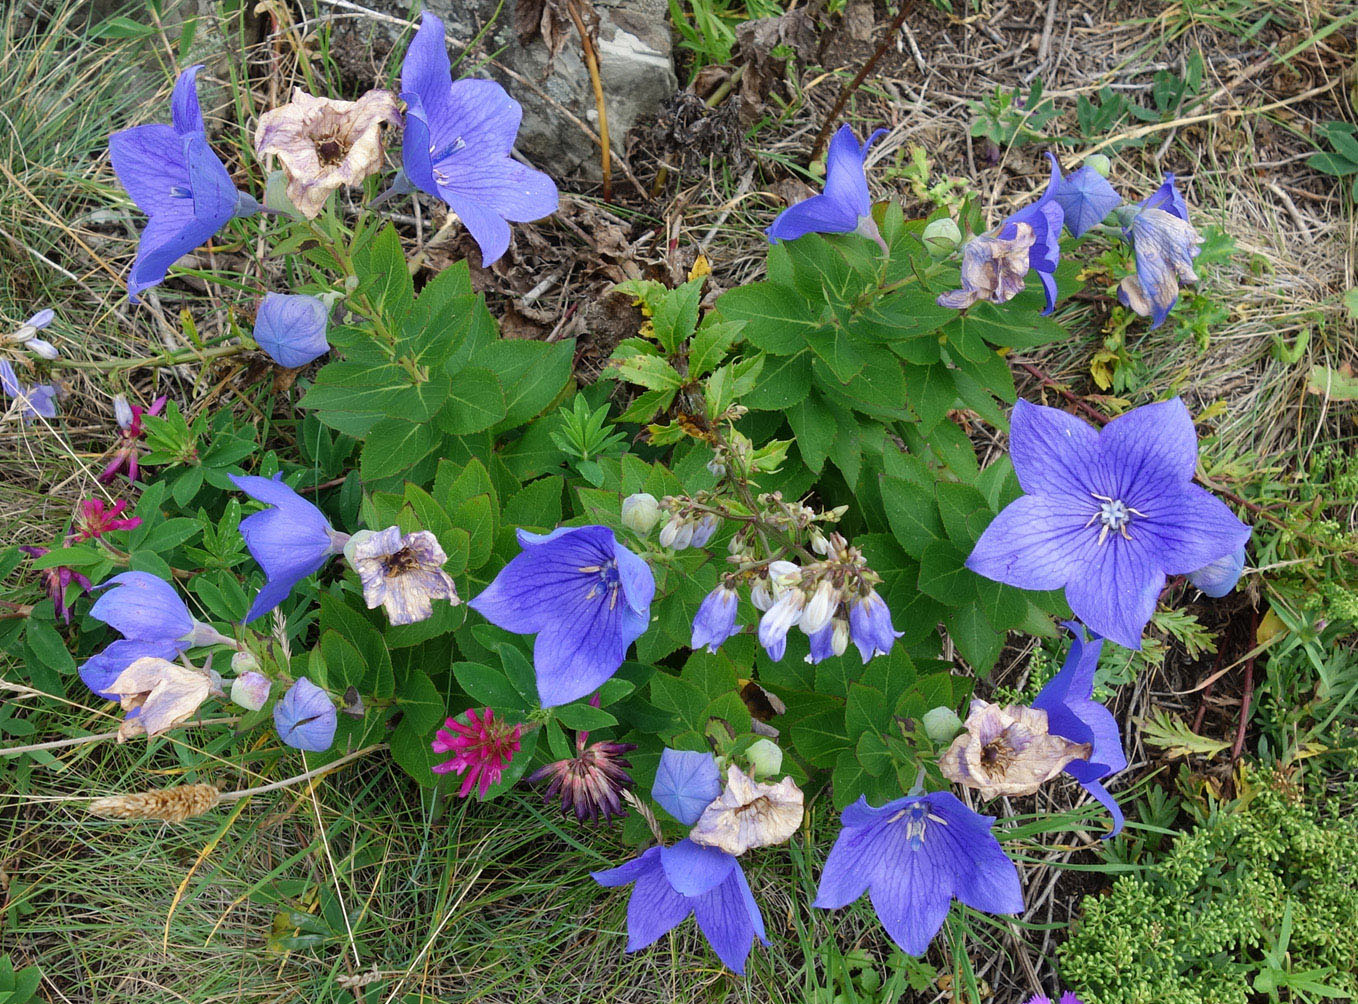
[635, 66]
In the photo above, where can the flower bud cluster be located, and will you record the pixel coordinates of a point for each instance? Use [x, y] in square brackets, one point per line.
[690, 524]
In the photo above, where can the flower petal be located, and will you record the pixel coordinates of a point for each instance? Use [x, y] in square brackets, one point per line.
[1191, 529]
[910, 896]
[1148, 450]
[686, 783]
[184, 111]
[305, 718]
[579, 653]
[819, 214]
[1114, 586]
[629, 871]
[487, 227]
[142, 606]
[1101, 795]
[291, 328]
[482, 115]
[1053, 452]
[654, 909]
[504, 187]
[149, 162]
[848, 869]
[415, 143]
[638, 581]
[724, 918]
[693, 869]
[1086, 198]
[100, 670]
[426, 70]
[846, 181]
[527, 593]
[1035, 542]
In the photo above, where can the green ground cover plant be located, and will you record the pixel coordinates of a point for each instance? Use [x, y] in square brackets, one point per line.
[753, 607]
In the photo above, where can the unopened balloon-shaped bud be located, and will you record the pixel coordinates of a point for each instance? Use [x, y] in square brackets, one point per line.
[942, 237]
[942, 724]
[640, 513]
[1101, 164]
[765, 758]
[250, 690]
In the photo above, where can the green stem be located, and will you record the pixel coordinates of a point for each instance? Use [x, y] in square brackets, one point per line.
[178, 356]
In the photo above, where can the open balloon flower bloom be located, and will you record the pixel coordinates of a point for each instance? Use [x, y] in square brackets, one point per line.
[290, 540]
[844, 206]
[1085, 197]
[1106, 514]
[458, 139]
[913, 856]
[174, 178]
[584, 595]
[1072, 712]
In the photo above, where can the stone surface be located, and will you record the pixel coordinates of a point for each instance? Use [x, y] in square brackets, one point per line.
[635, 63]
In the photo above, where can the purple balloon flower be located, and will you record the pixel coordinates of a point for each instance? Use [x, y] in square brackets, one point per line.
[844, 206]
[687, 878]
[290, 541]
[870, 626]
[1106, 514]
[585, 596]
[153, 621]
[290, 327]
[457, 144]
[1219, 577]
[174, 178]
[37, 401]
[305, 717]
[1073, 714]
[716, 619]
[686, 783]
[912, 856]
[1085, 197]
[1165, 245]
[995, 265]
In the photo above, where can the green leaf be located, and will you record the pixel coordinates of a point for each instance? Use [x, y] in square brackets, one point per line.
[674, 314]
[532, 373]
[912, 512]
[647, 371]
[393, 447]
[944, 575]
[475, 401]
[580, 716]
[710, 345]
[784, 381]
[814, 425]
[778, 319]
[931, 392]
[384, 275]
[836, 349]
[487, 686]
[965, 512]
[976, 639]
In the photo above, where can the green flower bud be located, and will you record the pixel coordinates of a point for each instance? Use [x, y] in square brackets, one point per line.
[942, 237]
[1101, 164]
[942, 724]
[765, 757]
[640, 513]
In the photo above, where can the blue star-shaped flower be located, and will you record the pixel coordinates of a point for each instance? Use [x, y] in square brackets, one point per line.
[844, 206]
[585, 596]
[289, 541]
[913, 856]
[1085, 197]
[1106, 514]
[150, 616]
[457, 144]
[174, 178]
[687, 878]
[1073, 714]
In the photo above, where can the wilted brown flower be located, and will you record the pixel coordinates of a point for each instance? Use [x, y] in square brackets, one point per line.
[324, 144]
[170, 805]
[162, 693]
[1007, 751]
[749, 814]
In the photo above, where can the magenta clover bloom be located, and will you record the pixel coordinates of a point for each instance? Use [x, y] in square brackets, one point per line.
[37, 401]
[174, 177]
[715, 620]
[687, 878]
[290, 541]
[93, 520]
[290, 328]
[1165, 245]
[686, 783]
[1085, 197]
[153, 621]
[1106, 514]
[457, 145]
[585, 596]
[844, 206]
[1219, 577]
[913, 856]
[1073, 714]
[305, 717]
[995, 265]
[57, 581]
[482, 747]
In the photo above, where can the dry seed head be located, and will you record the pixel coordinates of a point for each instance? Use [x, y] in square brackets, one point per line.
[170, 805]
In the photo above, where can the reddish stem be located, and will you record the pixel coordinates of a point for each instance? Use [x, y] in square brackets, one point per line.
[858, 79]
[1248, 694]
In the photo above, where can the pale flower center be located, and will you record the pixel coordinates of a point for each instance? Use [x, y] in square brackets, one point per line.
[1113, 515]
[398, 564]
[606, 578]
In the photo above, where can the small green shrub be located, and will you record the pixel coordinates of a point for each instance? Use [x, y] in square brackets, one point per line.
[1261, 896]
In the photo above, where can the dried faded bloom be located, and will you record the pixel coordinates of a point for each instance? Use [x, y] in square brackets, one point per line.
[1007, 751]
[161, 693]
[749, 814]
[402, 573]
[169, 805]
[324, 144]
[993, 268]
